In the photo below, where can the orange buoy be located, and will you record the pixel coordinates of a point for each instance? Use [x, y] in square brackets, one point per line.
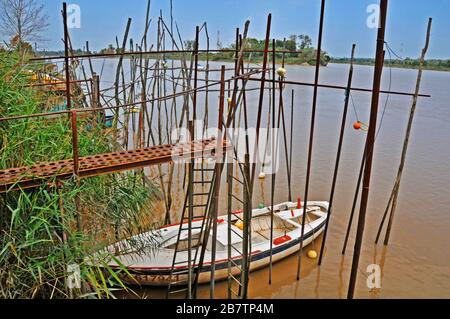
[357, 126]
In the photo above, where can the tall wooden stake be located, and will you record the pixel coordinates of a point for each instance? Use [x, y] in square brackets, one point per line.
[370, 146]
[273, 155]
[261, 96]
[396, 190]
[311, 137]
[219, 158]
[339, 152]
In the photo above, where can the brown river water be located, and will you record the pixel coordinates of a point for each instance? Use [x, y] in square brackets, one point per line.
[416, 264]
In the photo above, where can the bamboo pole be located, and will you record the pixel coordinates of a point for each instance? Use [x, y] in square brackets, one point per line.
[396, 190]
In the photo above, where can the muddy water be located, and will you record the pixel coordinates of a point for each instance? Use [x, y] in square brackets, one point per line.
[417, 262]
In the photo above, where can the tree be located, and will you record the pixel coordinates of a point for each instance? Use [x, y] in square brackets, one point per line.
[305, 41]
[24, 20]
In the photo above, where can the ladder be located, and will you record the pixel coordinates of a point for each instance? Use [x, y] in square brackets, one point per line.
[197, 207]
[238, 268]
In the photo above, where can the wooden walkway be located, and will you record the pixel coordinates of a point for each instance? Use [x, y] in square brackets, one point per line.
[91, 166]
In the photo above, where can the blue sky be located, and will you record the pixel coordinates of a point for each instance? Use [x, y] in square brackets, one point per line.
[345, 22]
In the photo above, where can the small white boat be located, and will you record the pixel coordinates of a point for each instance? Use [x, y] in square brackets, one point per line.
[153, 264]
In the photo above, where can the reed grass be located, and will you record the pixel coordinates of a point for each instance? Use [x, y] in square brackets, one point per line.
[38, 233]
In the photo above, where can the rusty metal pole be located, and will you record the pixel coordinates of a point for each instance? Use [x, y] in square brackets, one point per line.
[194, 102]
[94, 92]
[219, 158]
[339, 152]
[261, 95]
[339, 87]
[291, 143]
[66, 57]
[76, 166]
[190, 211]
[311, 138]
[370, 146]
[246, 252]
[274, 149]
[355, 201]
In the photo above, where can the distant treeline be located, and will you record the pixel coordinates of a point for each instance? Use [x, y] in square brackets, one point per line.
[432, 64]
[300, 45]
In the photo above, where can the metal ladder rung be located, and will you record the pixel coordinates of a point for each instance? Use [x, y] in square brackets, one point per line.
[194, 217]
[204, 182]
[238, 180]
[237, 216]
[181, 272]
[240, 201]
[174, 292]
[204, 170]
[197, 206]
[236, 280]
[235, 265]
[235, 293]
[237, 234]
[236, 250]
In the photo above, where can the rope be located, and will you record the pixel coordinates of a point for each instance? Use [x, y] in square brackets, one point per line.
[386, 104]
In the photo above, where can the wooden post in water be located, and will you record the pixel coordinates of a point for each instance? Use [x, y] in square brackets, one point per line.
[311, 137]
[194, 101]
[396, 190]
[247, 258]
[261, 96]
[218, 170]
[379, 61]
[291, 144]
[355, 200]
[273, 155]
[339, 152]
[190, 210]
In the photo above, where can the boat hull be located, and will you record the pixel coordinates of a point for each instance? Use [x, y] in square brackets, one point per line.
[259, 260]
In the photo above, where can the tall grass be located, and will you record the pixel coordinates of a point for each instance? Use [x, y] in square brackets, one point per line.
[38, 233]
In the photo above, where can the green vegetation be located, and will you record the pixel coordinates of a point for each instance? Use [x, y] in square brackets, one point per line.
[408, 63]
[300, 47]
[38, 228]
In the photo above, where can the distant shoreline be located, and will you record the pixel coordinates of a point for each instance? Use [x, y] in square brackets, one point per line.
[295, 61]
[397, 65]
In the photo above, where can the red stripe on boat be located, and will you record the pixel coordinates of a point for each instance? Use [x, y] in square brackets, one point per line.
[281, 240]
